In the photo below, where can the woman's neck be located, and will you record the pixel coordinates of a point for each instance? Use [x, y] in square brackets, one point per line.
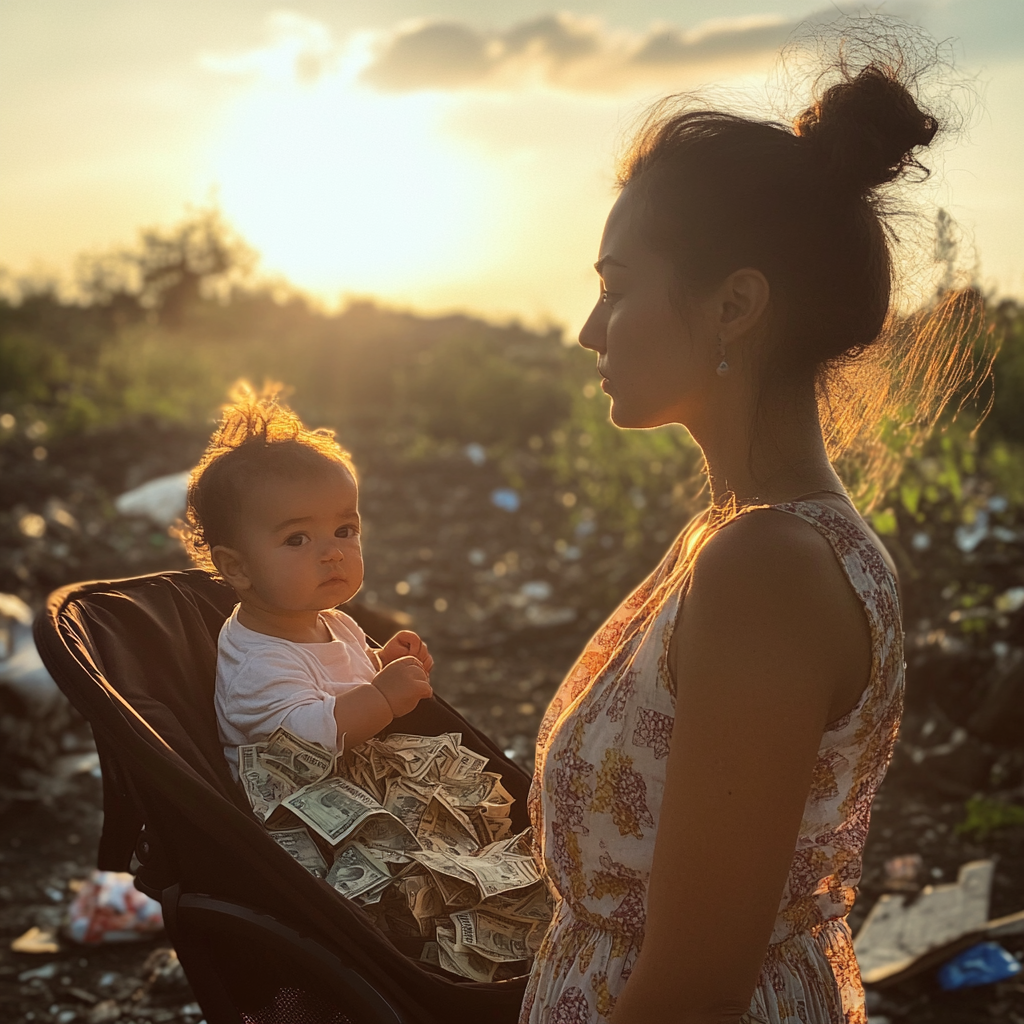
[777, 457]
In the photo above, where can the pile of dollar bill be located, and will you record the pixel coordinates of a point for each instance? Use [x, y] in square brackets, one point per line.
[414, 830]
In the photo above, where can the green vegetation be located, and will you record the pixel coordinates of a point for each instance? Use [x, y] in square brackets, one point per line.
[157, 336]
[986, 815]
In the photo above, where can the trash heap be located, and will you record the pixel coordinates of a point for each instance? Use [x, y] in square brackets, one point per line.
[417, 832]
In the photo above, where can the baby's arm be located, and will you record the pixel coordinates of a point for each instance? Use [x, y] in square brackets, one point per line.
[364, 710]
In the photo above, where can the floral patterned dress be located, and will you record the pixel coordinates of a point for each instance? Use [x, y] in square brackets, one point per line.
[595, 801]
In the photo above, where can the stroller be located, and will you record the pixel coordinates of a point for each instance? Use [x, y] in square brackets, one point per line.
[261, 940]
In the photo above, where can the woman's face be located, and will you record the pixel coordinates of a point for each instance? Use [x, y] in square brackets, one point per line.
[656, 357]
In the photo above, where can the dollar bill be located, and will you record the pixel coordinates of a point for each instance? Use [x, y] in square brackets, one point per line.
[500, 872]
[295, 761]
[425, 902]
[462, 961]
[470, 792]
[498, 803]
[389, 838]
[333, 808]
[423, 840]
[444, 864]
[464, 764]
[361, 773]
[517, 844]
[445, 829]
[531, 904]
[407, 802]
[297, 842]
[503, 939]
[498, 828]
[264, 790]
[354, 872]
[412, 755]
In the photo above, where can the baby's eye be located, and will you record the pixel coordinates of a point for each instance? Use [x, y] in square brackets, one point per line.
[296, 540]
[346, 531]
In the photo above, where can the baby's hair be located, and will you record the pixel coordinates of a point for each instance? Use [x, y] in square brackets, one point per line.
[257, 436]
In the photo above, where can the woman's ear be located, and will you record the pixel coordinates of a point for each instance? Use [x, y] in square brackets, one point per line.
[743, 303]
[231, 566]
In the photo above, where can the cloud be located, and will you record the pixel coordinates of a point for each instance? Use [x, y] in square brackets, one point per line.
[298, 48]
[580, 54]
[562, 50]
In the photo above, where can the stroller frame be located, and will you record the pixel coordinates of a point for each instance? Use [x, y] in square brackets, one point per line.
[137, 658]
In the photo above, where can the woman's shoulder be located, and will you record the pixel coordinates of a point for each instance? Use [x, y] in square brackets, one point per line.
[764, 546]
[770, 605]
[804, 545]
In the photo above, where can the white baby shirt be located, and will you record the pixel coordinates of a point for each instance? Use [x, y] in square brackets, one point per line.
[264, 682]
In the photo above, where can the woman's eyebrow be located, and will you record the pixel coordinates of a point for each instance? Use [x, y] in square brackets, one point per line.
[605, 260]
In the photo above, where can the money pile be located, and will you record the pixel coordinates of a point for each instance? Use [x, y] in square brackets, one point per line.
[417, 832]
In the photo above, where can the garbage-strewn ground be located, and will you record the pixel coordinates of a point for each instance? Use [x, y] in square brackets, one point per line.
[505, 599]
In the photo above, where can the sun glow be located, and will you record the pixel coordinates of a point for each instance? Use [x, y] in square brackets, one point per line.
[345, 189]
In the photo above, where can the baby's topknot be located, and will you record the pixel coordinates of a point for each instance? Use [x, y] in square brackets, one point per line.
[256, 434]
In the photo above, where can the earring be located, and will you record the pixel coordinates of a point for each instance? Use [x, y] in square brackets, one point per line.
[723, 367]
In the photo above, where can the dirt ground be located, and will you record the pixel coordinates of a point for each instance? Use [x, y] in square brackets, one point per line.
[505, 602]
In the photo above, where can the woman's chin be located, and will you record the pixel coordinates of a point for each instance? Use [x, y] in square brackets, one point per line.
[619, 414]
[633, 419]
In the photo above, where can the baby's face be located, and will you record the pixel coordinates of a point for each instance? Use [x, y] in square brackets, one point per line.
[299, 541]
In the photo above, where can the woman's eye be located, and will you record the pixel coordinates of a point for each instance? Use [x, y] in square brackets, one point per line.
[609, 298]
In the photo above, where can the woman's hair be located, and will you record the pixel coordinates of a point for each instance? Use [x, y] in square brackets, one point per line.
[807, 204]
[257, 437]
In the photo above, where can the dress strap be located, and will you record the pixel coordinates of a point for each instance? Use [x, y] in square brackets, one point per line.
[855, 551]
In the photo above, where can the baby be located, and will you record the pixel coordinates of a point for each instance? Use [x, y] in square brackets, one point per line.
[273, 509]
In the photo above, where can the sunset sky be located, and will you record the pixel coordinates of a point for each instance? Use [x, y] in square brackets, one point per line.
[450, 155]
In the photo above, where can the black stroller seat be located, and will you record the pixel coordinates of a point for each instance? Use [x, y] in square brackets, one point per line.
[261, 940]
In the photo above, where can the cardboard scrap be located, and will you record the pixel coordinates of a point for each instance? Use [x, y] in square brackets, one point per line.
[895, 935]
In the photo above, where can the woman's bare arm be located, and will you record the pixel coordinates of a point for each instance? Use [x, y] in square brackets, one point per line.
[772, 644]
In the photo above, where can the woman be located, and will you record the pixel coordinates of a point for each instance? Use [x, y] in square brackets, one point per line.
[706, 771]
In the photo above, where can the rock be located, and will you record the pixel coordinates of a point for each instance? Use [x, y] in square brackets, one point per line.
[902, 874]
[43, 973]
[163, 973]
[104, 1012]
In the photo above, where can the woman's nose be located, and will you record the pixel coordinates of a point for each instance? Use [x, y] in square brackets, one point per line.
[592, 334]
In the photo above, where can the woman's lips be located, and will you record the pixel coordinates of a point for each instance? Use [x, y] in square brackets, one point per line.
[604, 385]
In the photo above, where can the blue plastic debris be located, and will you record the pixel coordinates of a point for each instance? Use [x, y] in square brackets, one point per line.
[505, 498]
[982, 964]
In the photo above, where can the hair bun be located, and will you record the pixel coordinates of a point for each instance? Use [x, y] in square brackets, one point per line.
[867, 128]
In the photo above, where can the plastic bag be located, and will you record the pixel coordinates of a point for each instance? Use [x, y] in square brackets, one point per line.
[108, 908]
[983, 964]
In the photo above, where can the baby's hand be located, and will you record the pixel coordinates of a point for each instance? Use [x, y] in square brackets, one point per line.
[404, 684]
[403, 644]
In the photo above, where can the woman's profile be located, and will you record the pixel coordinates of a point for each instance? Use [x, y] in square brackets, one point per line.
[706, 771]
